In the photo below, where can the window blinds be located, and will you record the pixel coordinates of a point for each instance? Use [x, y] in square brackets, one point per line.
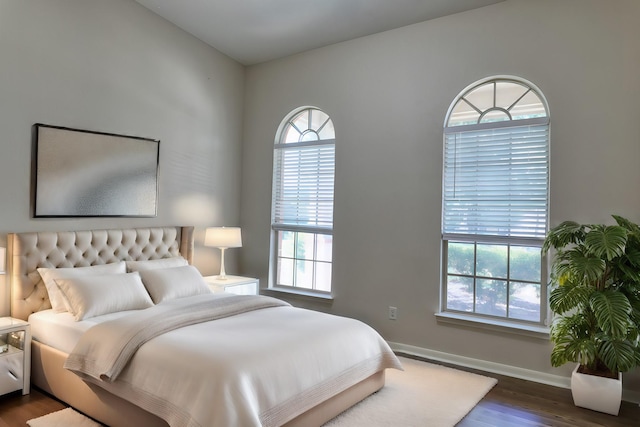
[303, 185]
[496, 181]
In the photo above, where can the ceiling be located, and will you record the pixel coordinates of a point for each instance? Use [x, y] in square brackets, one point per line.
[254, 31]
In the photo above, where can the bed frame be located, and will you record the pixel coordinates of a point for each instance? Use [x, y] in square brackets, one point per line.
[29, 251]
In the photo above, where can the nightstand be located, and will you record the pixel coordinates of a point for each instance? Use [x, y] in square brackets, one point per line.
[15, 355]
[234, 284]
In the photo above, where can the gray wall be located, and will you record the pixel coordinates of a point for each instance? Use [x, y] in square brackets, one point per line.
[114, 66]
[388, 95]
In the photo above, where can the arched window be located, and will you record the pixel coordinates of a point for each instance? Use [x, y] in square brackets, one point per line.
[302, 200]
[495, 198]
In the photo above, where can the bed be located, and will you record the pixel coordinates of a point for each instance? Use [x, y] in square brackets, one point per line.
[237, 367]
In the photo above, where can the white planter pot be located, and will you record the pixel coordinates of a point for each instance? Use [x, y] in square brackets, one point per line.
[596, 393]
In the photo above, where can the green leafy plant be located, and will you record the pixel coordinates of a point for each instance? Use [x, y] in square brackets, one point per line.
[595, 293]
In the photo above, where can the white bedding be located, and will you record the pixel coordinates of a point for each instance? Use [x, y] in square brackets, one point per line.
[60, 330]
[259, 368]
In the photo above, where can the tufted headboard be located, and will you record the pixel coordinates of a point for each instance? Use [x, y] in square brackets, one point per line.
[29, 251]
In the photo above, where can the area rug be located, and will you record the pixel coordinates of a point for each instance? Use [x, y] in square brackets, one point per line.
[424, 394]
[64, 418]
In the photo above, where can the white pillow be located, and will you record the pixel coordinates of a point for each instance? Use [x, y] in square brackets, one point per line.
[170, 283]
[92, 296]
[156, 263]
[49, 275]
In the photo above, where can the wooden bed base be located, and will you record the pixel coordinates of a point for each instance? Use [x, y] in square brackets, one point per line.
[48, 374]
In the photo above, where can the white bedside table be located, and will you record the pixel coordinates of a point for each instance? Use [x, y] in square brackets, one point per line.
[234, 284]
[15, 355]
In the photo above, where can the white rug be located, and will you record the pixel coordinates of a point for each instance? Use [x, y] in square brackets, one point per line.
[64, 418]
[424, 394]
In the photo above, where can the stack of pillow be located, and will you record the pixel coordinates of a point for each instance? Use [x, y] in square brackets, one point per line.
[126, 285]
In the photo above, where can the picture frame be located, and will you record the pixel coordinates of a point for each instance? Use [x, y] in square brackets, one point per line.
[83, 173]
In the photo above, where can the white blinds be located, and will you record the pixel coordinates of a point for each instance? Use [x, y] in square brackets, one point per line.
[496, 181]
[303, 185]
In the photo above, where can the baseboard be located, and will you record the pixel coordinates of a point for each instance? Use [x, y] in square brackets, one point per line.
[498, 368]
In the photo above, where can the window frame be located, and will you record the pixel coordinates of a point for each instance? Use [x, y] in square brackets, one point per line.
[316, 230]
[484, 240]
[503, 323]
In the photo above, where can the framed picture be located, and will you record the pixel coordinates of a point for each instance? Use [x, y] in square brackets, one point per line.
[80, 173]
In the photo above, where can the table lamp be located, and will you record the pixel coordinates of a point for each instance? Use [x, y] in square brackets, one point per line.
[223, 238]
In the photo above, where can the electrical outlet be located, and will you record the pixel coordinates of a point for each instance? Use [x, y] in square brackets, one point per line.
[393, 313]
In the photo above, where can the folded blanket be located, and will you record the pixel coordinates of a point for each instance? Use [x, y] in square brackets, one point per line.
[105, 349]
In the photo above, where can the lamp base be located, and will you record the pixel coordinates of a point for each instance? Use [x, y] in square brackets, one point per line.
[222, 275]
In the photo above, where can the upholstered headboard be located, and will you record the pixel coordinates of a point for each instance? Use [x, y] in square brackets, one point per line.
[29, 251]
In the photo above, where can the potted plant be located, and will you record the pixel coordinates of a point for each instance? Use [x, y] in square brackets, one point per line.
[595, 295]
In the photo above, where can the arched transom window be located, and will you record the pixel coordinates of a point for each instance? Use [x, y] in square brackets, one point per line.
[497, 100]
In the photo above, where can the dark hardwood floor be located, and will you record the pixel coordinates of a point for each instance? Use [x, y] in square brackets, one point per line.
[16, 410]
[511, 403]
[518, 403]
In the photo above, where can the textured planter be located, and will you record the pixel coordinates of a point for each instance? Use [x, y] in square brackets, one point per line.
[596, 393]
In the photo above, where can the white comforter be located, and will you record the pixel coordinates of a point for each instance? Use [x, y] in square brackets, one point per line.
[258, 368]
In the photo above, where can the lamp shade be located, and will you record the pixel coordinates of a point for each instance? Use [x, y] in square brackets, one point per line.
[223, 237]
[3, 259]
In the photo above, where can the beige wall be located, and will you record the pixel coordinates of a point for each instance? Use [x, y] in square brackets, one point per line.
[114, 66]
[388, 95]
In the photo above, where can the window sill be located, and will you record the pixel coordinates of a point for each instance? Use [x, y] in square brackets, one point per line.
[281, 292]
[541, 332]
